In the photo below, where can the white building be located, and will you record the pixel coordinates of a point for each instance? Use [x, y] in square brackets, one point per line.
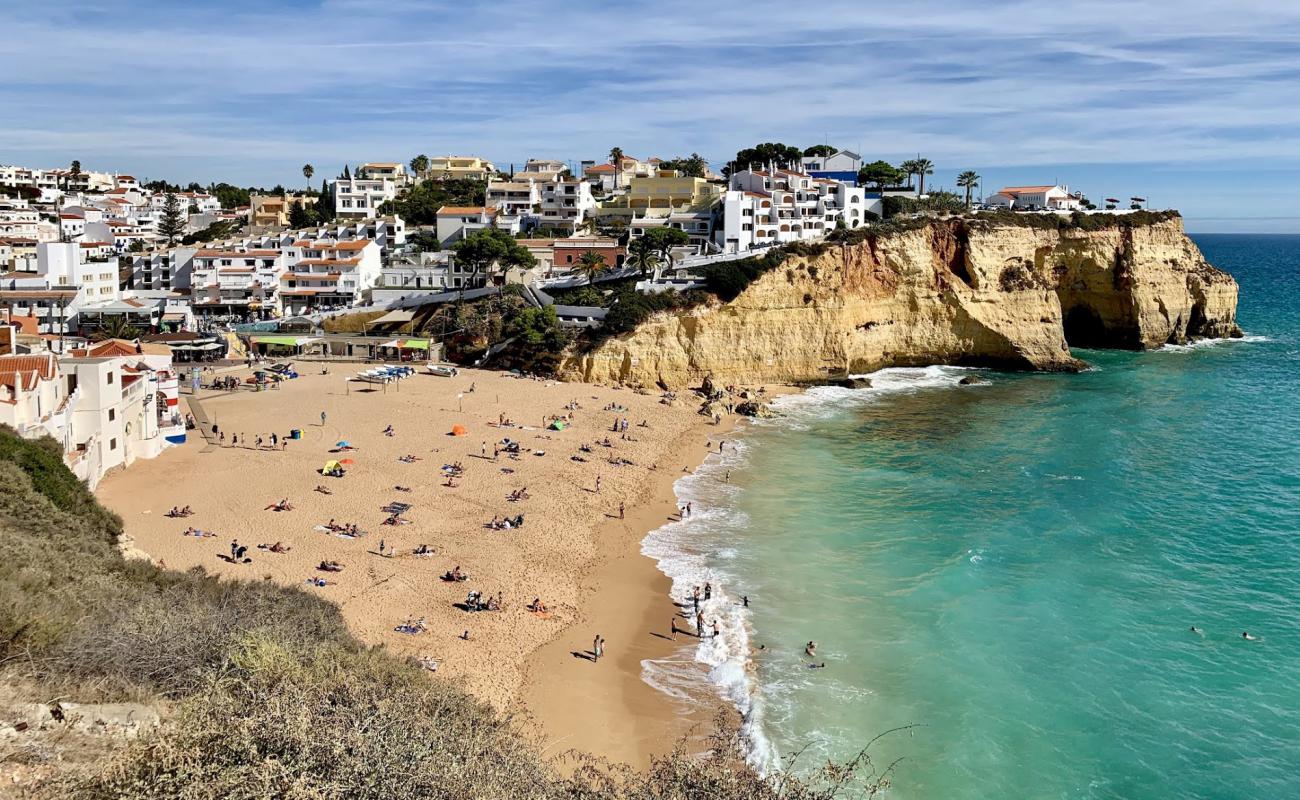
[106, 405]
[840, 166]
[18, 220]
[542, 199]
[763, 208]
[361, 197]
[124, 406]
[328, 275]
[64, 282]
[457, 222]
[33, 396]
[381, 170]
[235, 281]
[1035, 198]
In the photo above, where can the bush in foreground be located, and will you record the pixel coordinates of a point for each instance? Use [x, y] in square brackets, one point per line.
[273, 697]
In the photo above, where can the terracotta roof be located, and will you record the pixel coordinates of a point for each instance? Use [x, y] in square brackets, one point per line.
[110, 348]
[1013, 190]
[358, 244]
[461, 210]
[26, 372]
[600, 168]
[325, 262]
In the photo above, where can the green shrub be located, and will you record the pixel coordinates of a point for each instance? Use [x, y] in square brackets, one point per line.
[275, 697]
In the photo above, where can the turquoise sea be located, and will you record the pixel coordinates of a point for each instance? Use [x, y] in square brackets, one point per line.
[1015, 568]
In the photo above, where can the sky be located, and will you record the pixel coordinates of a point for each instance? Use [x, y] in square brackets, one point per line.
[1191, 104]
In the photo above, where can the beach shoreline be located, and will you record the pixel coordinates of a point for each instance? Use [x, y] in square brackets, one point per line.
[574, 553]
[610, 711]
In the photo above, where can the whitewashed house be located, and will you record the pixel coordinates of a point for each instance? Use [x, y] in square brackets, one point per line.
[1035, 198]
[775, 206]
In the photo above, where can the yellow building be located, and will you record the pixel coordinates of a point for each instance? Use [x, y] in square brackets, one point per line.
[665, 191]
[272, 211]
[460, 167]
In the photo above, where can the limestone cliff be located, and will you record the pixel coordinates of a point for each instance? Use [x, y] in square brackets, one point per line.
[972, 292]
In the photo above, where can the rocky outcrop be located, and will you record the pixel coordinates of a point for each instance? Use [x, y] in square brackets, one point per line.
[956, 292]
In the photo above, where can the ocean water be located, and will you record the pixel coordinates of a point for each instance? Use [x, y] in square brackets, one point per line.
[1014, 568]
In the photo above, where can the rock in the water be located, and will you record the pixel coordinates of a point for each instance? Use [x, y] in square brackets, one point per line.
[971, 380]
[755, 408]
[854, 383]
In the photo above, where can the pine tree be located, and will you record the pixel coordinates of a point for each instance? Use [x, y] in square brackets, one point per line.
[325, 203]
[172, 223]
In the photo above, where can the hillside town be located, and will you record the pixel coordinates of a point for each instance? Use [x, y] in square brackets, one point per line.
[116, 291]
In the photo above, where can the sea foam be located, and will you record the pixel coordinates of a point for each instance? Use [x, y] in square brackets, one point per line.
[691, 552]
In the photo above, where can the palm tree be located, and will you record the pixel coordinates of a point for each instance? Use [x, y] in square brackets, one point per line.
[76, 169]
[616, 158]
[307, 171]
[115, 327]
[908, 168]
[924, 166]
[642, 255]
[590, 265]
[420, 164]
[967, 180]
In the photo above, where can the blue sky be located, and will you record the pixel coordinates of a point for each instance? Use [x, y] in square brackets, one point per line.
[1192, 104]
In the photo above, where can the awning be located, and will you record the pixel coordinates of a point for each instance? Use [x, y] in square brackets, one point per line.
[407, 344]
[173, 317]
[393, 317]
[208, 346]
[287, 341]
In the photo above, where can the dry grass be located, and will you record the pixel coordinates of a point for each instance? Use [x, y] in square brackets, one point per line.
[274, 698]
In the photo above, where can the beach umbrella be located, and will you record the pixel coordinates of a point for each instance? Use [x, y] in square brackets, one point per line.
[344, 443]
[331, 465]
[458, 430]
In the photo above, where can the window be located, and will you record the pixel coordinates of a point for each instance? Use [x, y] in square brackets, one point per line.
[112, 444]
[110, 379]
[112, 414]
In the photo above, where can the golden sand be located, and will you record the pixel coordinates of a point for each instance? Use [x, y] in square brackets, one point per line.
[573, 551]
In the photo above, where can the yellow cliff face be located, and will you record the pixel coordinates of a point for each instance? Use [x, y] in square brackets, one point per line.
[952, 292]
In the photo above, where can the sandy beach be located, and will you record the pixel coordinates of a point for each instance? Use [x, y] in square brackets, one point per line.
[574, 552]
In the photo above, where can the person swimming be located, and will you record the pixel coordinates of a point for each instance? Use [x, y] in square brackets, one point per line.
[1197, 631]
[1246, 635]
[810, 649]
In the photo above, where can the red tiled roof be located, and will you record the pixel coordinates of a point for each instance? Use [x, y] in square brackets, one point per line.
[26, 371]
[359, 244]
[110, 348]
[462, 210]
[1014, 190]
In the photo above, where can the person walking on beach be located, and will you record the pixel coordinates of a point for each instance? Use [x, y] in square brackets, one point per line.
[715, 629]
[322, 419]
[708, 591]
[234, 440]
[695, 598]
[482, 450]
[597, 484]
[672, 625]
[699, 624]
[620, 510]
[595, 648]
